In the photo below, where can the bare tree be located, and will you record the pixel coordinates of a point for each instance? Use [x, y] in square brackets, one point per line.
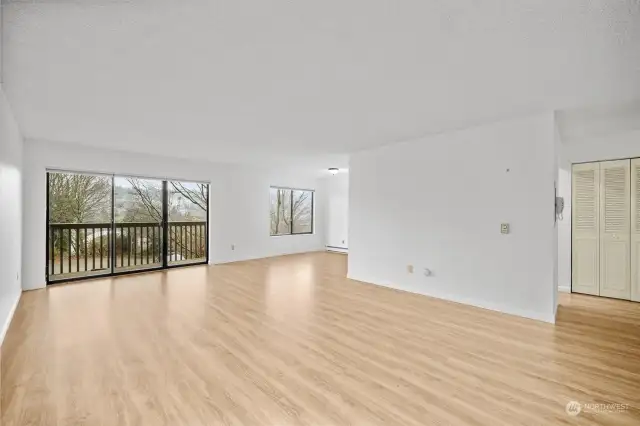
[280, 212]
[148, 204]
[301, 205]
[75, 198]
[147, 196]
[289, 208]
[198, 196]
[79, 198]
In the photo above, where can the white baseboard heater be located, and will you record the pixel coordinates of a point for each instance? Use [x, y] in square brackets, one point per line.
[337, 249]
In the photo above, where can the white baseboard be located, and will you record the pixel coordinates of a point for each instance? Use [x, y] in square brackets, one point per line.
[564, 289]
[5, 326]
[259, 257]
[492, 306]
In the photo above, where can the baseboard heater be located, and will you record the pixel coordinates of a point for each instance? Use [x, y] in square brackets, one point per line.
[337, 249]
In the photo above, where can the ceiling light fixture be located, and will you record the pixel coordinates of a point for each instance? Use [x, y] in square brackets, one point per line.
[334, 170]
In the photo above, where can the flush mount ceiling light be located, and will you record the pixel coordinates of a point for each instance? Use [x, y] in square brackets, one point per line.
[334, 170]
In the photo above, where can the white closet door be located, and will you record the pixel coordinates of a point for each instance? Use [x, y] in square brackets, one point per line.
[585, 276]
[635, 230]
[615, 267]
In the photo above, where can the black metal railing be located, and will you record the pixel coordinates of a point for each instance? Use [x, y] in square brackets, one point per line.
[79, 247]
[84, 249]
[187, 241]
[140, 245]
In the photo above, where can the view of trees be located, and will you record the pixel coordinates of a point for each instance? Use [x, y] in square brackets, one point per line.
[187, 202]
[80, 215]
[77, 198]
[140, 200]
[86, 199]
[291, 211]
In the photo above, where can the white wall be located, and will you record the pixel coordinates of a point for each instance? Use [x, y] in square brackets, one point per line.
[564, 231]
[438, 203]
[556, 178]
[239, 201]
[10, 213]
[2, 6]
[337, 211]
[611, 147]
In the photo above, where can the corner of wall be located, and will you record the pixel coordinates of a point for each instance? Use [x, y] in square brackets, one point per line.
[11, 213]
[9, 318]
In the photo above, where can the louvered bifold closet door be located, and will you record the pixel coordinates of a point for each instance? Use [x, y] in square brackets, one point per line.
[615, 212]
[635, 230]
[585, 275]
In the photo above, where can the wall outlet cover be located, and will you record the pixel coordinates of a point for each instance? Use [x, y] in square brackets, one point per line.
[410, 269]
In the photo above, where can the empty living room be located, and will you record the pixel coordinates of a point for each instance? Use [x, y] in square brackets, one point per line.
[355, 212]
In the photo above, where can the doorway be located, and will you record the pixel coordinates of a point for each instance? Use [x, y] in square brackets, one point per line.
[100, 225]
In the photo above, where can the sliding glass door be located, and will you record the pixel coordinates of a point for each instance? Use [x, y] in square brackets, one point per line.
[138, 223]
[187, 218]
[105, 224]
[79, 225]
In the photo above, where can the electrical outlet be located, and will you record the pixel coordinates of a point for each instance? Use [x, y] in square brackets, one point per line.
[504, 228]
[410, 269]
[233, 246]
[342, 241]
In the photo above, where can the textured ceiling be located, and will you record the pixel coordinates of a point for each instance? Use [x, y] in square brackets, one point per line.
[238, 80]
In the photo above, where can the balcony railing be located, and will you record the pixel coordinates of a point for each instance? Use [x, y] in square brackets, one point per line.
[85, 249]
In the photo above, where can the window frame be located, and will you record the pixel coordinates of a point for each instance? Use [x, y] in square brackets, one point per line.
[291, 191]
[112, 271]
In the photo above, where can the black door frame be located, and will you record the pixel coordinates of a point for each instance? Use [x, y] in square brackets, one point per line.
[165, 232]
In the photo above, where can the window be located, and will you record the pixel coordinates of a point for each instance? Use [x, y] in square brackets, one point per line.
[291, 211]
[106, 224]
[188, 207]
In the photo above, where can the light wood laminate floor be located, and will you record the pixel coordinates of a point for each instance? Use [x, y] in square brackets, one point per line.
[291, 341]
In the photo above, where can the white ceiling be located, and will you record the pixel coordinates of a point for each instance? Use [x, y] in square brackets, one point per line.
[239, 80]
